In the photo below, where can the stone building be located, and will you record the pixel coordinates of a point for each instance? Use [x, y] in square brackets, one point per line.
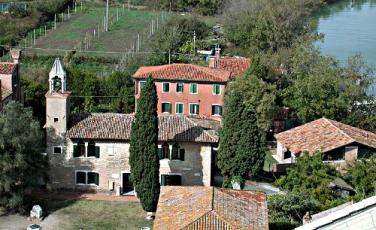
[91, 151]
[10, 85]
[338, 142]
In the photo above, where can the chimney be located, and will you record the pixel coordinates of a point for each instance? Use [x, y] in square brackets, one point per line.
[16, 54]
[217, 57]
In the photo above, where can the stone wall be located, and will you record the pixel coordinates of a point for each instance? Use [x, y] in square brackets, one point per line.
[114, 160]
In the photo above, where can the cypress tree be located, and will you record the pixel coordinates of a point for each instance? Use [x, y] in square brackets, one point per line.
[143, 150]
[241, 145]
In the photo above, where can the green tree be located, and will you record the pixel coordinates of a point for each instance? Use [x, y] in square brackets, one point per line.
[362, 175]
[258, 95]
[22, 164]
[241, 149]
[310, 175]
[286, 211]
[122, 85]
[262, 25]
[143, 150]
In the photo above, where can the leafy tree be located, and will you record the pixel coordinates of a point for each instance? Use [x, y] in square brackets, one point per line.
[143, 150]
[319, 87]
[258, 95]
[263, 25]
[286, 211]
[123, 84]
[241, 148]
[310, 175]
[22, 164]
[362, 175]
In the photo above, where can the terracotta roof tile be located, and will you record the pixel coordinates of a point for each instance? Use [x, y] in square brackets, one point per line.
[111, 126]
[324, 135]
[236, 65]
[7, 68]
[188, 207]
[186, 72]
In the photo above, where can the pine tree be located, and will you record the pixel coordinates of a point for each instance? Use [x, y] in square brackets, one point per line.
[22, 164]
[143, 150]
[241, 146]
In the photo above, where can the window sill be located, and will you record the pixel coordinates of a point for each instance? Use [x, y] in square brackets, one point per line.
[90, 185]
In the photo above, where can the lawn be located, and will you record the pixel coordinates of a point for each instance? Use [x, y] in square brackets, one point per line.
[85, 214]
[120, 36]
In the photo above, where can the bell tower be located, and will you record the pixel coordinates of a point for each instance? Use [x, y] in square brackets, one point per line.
[57, 102]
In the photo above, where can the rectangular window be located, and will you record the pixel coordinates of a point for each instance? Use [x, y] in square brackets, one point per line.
[217, 110]
[180, 87]
[167, 180]
[141, 85]
[111, 150]
[165, 87]
[56, 119]
[57, 149]
[79, 150]
[216, 89]
[80, 177]
[92, 178]
[193, 89]
[166, 107]
[194, 109]
[179, 108]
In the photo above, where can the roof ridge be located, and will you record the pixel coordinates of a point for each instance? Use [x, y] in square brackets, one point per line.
[343, 132]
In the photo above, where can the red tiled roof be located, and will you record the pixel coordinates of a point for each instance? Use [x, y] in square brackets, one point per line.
[237, 66]
[190, 207]
[111, 126]
[183, 72]
[7, 68]
[324, 135]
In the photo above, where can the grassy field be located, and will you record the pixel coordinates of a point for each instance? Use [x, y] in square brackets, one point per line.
[120, 36]
[93, 215]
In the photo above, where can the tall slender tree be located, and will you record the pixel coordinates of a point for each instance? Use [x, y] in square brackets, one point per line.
[143, 150]
[241, 146]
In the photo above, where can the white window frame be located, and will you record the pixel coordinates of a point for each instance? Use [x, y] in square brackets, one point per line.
[57, 146]
[220, 91]
[86, 175]
[190, 87]
[217, 115]
[139, 85]
[190, 109]
[169, 87]
[176, 106]
[166, 102]
[176, 88]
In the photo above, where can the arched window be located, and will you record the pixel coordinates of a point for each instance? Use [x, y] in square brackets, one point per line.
[79, 149]
[165, 151]
[91, 149]
[56, 81]
[175, 151]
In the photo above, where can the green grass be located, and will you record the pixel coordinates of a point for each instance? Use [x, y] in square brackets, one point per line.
[103, 215]
[120, 36]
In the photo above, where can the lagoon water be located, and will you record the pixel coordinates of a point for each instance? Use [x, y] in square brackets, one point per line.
[349, 27]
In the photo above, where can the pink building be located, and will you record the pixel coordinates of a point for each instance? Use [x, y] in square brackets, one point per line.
[10, 88]
[191, 89]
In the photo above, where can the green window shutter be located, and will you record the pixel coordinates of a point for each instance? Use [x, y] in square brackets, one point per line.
[193, 87]
[216, 89]
[169, 107]
[182, 154]
[96, 178]
[75, 151]
[163, 180]
[97, 151]
[160, 153]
